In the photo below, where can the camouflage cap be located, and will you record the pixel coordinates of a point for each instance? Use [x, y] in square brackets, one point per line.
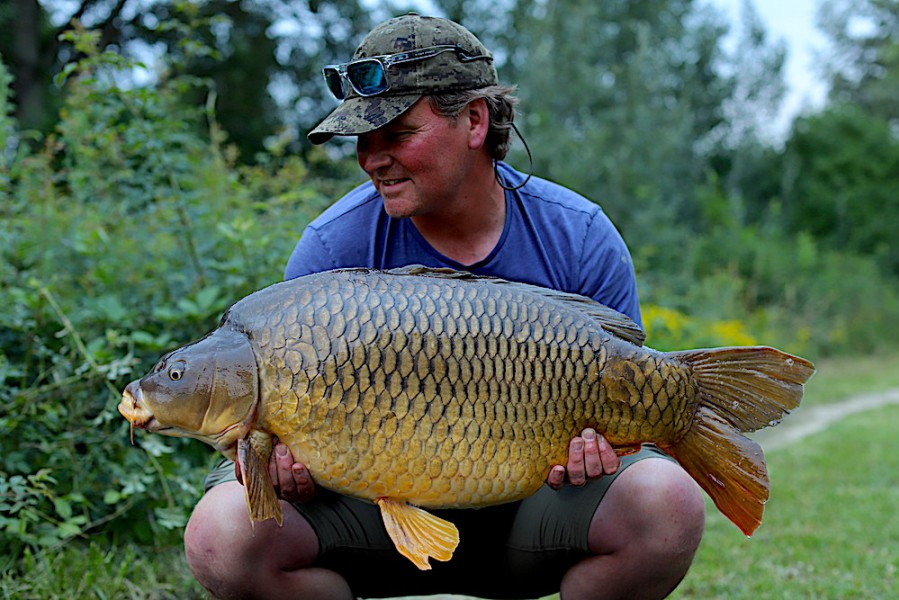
[409, 81]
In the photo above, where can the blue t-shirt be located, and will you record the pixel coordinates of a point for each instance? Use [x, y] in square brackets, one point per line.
[552, 237]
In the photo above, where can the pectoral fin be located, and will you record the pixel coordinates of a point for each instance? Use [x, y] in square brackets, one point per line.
[253, 454]
[418, 534]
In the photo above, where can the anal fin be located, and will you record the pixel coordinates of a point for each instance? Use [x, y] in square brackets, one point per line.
[417, 534]
[253, 454]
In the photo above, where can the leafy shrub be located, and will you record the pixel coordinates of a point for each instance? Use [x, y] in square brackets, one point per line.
[125, 233]
[669, 329]
[788, 290]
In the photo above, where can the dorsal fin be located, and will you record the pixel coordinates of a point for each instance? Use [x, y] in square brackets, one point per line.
[611, 320]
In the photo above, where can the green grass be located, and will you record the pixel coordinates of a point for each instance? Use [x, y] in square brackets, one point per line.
[102, 571]
[831, 528]
[838, 379]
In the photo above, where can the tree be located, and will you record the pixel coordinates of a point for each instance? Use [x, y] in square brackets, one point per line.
[840, 182]
[263, 65]
[28, 44]
[839, 173]
[756, 67]
[864, 66]
[617, 98]
[743, 158]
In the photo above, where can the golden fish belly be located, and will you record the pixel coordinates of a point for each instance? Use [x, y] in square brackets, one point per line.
[451, 395]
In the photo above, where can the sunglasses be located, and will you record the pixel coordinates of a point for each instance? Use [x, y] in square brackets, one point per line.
[368, 76]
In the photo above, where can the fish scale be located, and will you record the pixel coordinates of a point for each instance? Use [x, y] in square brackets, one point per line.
[438, 389]
[529, 376]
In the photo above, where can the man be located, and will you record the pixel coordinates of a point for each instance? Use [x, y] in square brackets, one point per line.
[421, 95]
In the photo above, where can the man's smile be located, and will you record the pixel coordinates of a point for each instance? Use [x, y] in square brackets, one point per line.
[386, 186]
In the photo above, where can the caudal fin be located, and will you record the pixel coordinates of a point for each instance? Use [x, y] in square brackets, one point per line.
[741, 390]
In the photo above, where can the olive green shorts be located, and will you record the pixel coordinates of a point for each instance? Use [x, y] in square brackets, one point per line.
[515, 550]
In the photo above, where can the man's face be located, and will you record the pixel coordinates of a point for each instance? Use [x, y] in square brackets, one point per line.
[418, 161]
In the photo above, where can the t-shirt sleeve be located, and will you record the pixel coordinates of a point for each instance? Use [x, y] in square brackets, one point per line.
[310, 255]
[607, 269]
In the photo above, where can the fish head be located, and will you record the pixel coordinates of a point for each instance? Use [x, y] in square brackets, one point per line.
[207, 390]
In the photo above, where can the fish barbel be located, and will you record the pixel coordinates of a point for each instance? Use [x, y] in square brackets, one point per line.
[417, 388]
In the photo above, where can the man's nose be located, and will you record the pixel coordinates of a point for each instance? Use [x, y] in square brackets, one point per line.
[371, 154]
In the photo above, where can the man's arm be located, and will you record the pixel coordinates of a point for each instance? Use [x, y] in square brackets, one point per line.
[606, 269]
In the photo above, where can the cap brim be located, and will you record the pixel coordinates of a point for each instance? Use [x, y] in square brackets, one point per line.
[360, 115]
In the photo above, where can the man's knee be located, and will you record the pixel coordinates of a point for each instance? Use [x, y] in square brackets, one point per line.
[223, 547]
[216, 533]
[655, 504]
[670, 507]
[234, 559]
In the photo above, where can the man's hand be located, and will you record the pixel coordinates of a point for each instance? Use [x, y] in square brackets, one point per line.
[589, 456]
[292, 480]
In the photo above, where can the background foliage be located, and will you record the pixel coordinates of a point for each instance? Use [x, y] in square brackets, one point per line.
[153, 170]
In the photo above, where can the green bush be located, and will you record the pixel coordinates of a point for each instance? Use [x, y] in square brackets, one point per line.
[788, 290]
[125, 233]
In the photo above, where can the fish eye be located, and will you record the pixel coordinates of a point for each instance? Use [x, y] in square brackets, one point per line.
[176, 372]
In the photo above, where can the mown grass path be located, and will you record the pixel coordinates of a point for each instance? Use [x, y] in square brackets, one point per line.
[808, 421]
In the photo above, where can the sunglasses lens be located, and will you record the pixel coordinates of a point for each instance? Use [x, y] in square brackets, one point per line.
[334, 82]
[367, 76]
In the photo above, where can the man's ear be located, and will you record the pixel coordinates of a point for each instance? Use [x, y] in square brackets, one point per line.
[478, 123]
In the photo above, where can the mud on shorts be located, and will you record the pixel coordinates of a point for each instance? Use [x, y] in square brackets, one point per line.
[515, 550]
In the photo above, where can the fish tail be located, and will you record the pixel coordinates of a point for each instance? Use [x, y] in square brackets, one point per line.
[741, 390]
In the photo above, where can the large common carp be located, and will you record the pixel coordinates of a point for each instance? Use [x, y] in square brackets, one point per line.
[437, 389]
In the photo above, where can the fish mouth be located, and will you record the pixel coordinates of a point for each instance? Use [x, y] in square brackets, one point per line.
[154, 426]
[133, 408]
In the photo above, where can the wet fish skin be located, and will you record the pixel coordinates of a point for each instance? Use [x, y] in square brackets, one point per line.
[441, 389]
[437, 391]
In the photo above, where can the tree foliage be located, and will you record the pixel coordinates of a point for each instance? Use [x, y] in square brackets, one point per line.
[838, 178]
[262, 57]
[124, 234]
[841, 184]
[864, 64]
[618, 110]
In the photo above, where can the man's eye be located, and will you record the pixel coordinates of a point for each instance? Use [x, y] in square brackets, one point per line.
[399, 136]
